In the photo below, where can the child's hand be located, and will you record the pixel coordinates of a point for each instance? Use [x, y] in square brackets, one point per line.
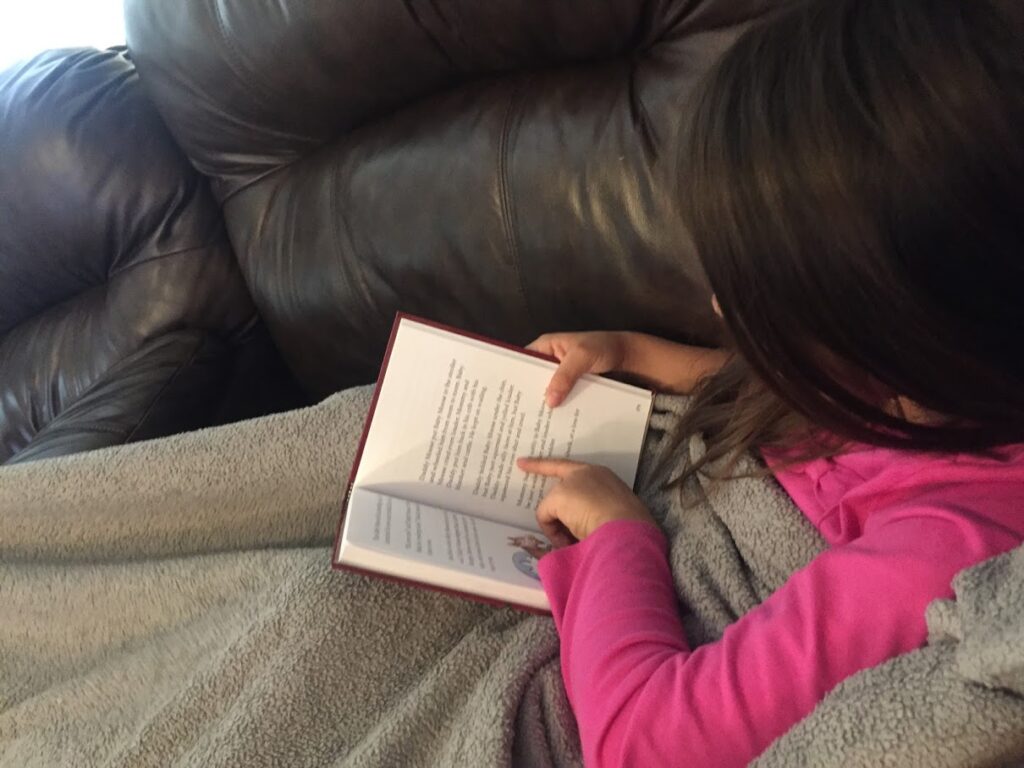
[579, 353]
[587, 497]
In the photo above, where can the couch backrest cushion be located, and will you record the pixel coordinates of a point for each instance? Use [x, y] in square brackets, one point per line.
[507, 166]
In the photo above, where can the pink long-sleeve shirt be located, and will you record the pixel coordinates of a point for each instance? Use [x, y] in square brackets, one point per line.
[899, 525]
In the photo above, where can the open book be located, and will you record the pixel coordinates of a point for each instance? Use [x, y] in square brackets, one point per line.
[435, 497]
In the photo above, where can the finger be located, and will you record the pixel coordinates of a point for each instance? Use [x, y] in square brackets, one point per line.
[575, 363]
[557, 534]
[550, 467]
[556, 530]
[542, 344]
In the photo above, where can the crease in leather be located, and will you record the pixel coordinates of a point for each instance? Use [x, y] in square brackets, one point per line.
[410, 7]
[166, 385]
[103, 284]
[175, 210]
[639, 115]
[131, 265]
[680, 23]
[508, 208]
[234, 59]
[54, 428]
[643, 35]
[355, 266]
[237, 189]
[454, 27]
[37, 424]
[265, 209]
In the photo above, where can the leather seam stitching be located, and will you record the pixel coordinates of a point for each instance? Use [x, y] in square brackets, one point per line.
[103, 284]
[163, 389]
[158, 257]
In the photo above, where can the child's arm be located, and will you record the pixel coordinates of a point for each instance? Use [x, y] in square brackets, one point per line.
[642, 697]
[667, 366]
[659, 364]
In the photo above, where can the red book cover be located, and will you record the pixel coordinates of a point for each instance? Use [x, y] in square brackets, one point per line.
[363, 568]
[359, 453]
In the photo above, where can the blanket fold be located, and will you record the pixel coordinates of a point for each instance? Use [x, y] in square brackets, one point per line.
[171, 603]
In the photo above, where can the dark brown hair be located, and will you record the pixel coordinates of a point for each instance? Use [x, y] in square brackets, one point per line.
[854, 182]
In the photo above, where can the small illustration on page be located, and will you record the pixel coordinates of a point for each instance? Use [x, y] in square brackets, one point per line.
[530, 550]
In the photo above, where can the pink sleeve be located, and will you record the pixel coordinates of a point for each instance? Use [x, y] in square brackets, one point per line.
[641, 697]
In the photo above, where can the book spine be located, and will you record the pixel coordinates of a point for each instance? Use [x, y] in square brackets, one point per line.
[347, 498]
[475, 336]
[362, 439]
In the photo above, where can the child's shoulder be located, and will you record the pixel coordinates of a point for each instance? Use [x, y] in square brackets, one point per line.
[975, 491]
[918, 468]
[867, 485]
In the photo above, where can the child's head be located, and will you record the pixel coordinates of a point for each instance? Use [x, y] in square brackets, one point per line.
[854, 182]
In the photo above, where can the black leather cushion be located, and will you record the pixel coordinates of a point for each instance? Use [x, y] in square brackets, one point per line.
[120, 298]
[507, 166]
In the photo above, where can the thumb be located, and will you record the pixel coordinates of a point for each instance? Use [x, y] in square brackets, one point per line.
[558, 532]
[575, 363]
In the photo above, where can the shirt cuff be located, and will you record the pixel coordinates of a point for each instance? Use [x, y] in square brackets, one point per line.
[563, 561]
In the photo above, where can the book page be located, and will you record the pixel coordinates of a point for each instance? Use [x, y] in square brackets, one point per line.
[458, 543]
[454, 413]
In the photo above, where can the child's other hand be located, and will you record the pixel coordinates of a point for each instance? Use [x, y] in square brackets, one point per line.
[579, 353]
[586, 497]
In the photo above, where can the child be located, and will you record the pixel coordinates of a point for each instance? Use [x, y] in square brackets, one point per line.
[855, 188]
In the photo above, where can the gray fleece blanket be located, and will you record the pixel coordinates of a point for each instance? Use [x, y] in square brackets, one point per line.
[170, 603]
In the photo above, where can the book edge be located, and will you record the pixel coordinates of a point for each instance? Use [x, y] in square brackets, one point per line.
[521, 350]
[336, 551]
[444, 590]
[643, 441]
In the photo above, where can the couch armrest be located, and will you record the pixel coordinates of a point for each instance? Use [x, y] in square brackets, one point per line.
[110, 241]
[144, 396]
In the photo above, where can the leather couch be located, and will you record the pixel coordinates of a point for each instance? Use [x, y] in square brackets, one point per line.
[123, 314]
[508, 167]
[504, 166]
